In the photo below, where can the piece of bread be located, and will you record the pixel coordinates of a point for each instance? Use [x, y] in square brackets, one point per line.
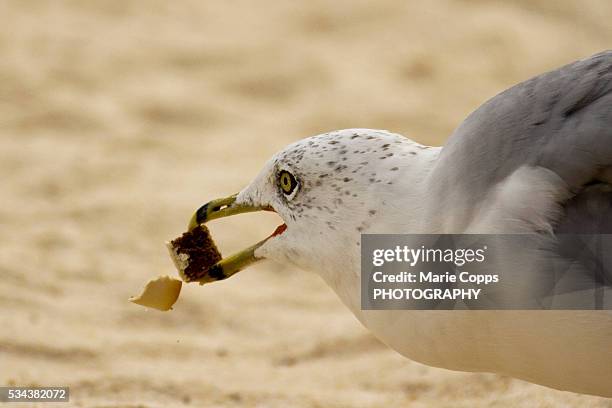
[193, 253]
[160, 293]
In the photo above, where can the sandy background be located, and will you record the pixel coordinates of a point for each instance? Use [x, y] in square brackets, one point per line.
[118, 118]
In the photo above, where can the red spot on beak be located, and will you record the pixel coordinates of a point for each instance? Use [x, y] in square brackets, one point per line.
[279, 230]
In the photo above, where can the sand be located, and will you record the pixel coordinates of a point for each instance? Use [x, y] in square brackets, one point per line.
[119, 118]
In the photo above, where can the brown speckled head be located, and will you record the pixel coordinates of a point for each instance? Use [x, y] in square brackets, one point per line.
[331, 188]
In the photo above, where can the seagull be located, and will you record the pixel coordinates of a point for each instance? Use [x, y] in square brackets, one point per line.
[536, 158]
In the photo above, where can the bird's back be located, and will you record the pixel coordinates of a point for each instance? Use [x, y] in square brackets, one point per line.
[556, 126]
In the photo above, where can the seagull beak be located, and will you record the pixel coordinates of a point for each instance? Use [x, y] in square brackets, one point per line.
[219, 208]
[225, 207]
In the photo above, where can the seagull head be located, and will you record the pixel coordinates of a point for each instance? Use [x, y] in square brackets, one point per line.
[328, 189]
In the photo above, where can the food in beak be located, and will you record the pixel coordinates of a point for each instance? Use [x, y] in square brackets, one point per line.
[194, 253]
[196, 256]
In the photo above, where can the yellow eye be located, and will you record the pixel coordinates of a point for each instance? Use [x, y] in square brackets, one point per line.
[287, 182]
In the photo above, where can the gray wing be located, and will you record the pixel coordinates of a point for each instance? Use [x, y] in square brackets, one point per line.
[561, 121]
